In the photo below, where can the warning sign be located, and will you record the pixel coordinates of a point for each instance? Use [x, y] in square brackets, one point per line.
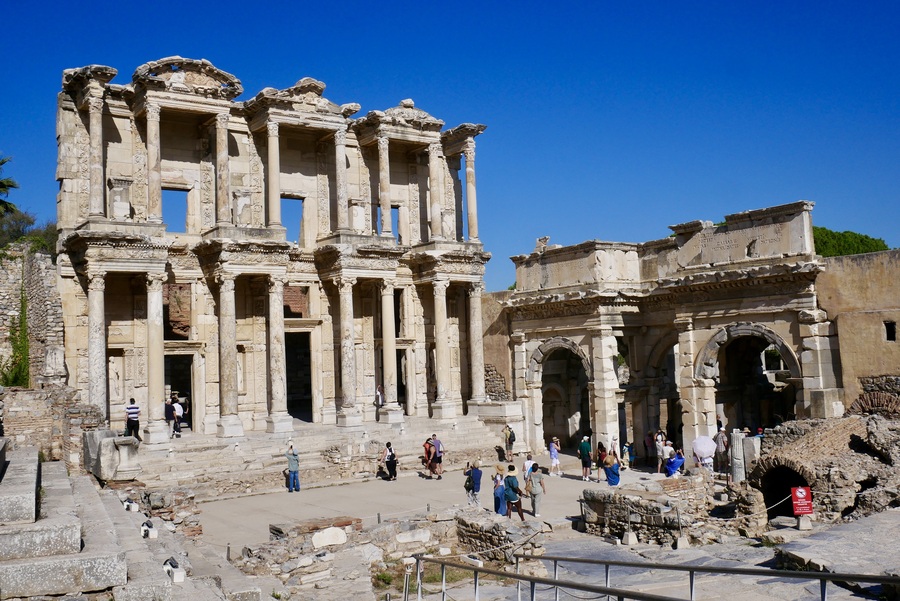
[802, 498]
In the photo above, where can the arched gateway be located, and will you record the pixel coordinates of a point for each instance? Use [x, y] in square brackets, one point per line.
[716, 320]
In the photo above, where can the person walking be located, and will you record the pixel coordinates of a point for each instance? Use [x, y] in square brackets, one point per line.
[721, 456]
[170, 418]
[509, 439]
[513, 492]
[428, 459]
[438, 457]
[526, 467]
[554, 457]
[293, 469]
[661, 454]
[538, 489]
[379, 397]
[584, 453]
[499, 491]
[474, 472]
[132, 420]
[389, 458]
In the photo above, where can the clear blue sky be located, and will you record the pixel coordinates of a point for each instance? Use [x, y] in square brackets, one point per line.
[605, 120]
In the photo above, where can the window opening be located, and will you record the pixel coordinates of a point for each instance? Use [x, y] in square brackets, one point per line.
[395, 224]
[174, 209]
[292, 217]
[890, 331]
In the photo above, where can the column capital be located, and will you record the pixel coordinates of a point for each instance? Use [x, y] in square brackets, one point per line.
[435, 150]
[684, 324]
[469, 150]
[222, 120]
[476, 289]
[344, 284]
[95, 104]
[96, 280]
[272, 128]
[340, 136]
[152, 112]
[155, 281]
[383, 143]
[226, 280]
[276, 283]
[387, 286]
[440, 287]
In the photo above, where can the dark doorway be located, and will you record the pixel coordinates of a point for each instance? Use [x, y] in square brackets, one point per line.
[178, 378]
[565, 404]
[299, 375]
[753, 387]
[776, 485]
[401, 378]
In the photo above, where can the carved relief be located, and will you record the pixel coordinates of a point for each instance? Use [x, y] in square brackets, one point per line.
[207, 194]
[415, 202]
[83, 151]
[323, 192]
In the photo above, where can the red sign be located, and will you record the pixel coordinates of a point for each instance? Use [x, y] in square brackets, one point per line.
[802, 498]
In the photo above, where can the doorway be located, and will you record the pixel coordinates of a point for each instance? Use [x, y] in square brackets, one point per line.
[299, 375]
[178, 372]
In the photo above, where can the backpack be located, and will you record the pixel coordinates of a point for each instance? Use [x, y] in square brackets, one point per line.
[512, 436]
[469, 484]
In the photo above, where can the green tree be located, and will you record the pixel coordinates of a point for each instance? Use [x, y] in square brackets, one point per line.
[6, 184]
[836, 244]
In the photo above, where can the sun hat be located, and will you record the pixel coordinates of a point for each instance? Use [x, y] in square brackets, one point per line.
[512, 471]
[555, 439]
[746, 430]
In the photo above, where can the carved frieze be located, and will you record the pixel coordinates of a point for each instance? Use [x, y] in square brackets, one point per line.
[323, 191]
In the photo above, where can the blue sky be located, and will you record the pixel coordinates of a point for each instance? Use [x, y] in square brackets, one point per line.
[605, 120]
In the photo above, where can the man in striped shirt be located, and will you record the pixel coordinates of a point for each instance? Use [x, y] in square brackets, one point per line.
[132, 419]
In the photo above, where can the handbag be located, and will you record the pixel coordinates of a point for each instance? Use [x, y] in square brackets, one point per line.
[528, 487]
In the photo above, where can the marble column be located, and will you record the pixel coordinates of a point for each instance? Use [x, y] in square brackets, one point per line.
[388, 342]
[476, 343]
[278, 419]
[604, 384]
[384, 186]
[95, 115]
[340, 177]
[154, 166]
[223, 200]
[155, 430]
[229, 423]
[471, 199]
[274, 174]
[348, 414]
[443, 407]
[435, 156]
[97, 341]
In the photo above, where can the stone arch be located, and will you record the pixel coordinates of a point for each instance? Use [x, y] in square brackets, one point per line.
[885, 404]
[709, 355]
[535, 364]
[774, 476]
[660, 350]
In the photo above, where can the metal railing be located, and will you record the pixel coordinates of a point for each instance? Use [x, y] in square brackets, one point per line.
[823, 577]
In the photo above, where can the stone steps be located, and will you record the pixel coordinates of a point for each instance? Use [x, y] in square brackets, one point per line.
[98, 566]
[19, 486]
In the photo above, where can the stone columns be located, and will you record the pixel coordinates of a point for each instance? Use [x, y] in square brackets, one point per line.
[278, 419]
[698, 403]
[154, 166]
[155, 430]
[97, 341]
[229, 423]
[604, 384]
[95, 114]
[388, 342]
[434, 189]
[349, 414]
[476, 343]
[384, 186]
[443, 408]
[274, 174]
[819, 353]
[471, 200]
[340, 177]
[223, 200]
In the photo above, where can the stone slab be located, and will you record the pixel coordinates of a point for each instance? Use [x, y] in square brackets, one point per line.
[19, 487]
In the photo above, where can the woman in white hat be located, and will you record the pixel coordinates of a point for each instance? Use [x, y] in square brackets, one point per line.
[554, 457]
[513, 492]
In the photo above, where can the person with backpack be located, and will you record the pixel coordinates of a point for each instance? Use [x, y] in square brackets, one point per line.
[389, 458]
[473, 482]
[509, 439]
[584, 452]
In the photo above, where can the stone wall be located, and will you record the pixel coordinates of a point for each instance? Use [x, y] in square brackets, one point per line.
[11, 268]
[495, 537]
[497, 368]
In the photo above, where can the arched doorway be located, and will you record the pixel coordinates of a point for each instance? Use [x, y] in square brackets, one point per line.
[565, 407]
[776, 485]
[754, 373]
[662, 409]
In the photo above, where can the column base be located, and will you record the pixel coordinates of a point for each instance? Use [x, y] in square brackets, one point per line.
[156, 433]
[444, 410]
[349, 418]
[229, 426]
[391, 415]
[279, 422]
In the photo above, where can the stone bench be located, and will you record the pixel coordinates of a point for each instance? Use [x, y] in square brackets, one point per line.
[19, 487]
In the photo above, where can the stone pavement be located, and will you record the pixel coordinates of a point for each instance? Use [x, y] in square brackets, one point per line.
[245, 521]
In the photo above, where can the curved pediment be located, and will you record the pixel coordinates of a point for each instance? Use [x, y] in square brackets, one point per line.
[187, 76]
[305, 96]
[404, 114]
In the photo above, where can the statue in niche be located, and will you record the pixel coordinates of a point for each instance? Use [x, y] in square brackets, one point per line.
[115, 383]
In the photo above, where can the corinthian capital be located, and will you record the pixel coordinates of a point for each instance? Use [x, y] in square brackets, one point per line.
[272, 128]
[345, 284]
[477, 289]
[469, 151]
[340, 137]
[383, 145]
[96, 280]
[435, 151]
[276, 283]
[95, 104]
[152, 112]
[222, 120]
[155, 282]
[225, 281]
[440, 287]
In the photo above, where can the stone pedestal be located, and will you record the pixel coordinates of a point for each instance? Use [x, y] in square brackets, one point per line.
[804, 523]
[229, 426]
[629, 538]
[349, 419]
[391, 415]
[279, 423]
[443, 411]
[156, 432]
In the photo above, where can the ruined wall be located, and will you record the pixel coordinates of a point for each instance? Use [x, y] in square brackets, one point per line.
[859, 293]
[498, 369]
[11, 261]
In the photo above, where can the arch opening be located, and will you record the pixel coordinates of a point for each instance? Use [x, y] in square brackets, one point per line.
[776, 484]
[564, 391]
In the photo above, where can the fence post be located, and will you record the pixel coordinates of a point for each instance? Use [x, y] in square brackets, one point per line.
[823, 589]
[443, 582]
[419, 578]
[556, 577]
[691, 575]
[518, 582]
[476, 586]
[607, 575]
